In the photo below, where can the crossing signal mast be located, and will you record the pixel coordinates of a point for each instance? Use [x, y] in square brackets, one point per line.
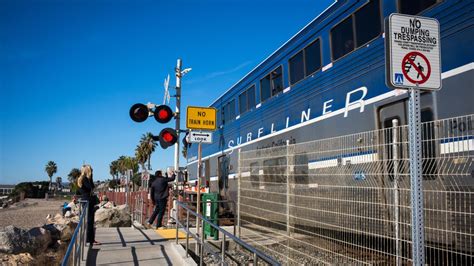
[163, 114]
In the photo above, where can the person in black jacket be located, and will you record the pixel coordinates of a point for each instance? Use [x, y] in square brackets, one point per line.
[86, 187]
[159, 192]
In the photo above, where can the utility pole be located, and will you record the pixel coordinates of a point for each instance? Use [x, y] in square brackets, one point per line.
[179, 74]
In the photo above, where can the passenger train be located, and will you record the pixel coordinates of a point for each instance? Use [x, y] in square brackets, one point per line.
[328, 80]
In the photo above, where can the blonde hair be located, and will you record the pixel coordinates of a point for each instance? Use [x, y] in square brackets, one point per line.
[86, 171]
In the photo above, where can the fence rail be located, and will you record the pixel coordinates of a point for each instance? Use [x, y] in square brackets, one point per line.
[75, 251]
[347, 199]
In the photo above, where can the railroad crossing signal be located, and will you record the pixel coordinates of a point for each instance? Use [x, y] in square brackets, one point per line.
[139, 112]
[167, 137]
[163, 114]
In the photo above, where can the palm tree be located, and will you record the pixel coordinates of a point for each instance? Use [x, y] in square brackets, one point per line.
[141, 156]
[121, 168]
[51, 168]
[127, 163]
[113, 169]
[147, 147]
[73, 175]
[59, 183]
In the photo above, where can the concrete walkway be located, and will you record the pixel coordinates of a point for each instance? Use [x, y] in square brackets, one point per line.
[133, 246]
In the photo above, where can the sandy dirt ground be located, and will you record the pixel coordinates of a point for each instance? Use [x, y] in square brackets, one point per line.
[29, 213]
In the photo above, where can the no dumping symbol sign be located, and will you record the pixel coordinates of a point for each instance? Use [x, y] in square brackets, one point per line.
[416, 67]
[412, 52]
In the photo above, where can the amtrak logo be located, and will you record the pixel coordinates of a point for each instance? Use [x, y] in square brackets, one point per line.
[398, 78]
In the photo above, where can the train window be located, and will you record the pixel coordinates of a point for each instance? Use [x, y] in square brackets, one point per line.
[367, 26]
[231, 110]
[225, 114]
[312, 56]
[228, 112]
[243, 102]
[251, 97]
[271, 84]
[265, 88]
[247, 100]
[342, 39]
[367, 22]
[296, 64]
[277, 81]
[411, 7]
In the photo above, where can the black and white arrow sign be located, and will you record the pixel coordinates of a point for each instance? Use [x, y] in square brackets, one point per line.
[200, 137]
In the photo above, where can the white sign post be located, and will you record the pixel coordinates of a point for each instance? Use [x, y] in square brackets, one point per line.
[413, 62]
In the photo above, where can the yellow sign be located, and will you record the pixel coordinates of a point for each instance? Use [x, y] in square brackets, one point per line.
[203, 118]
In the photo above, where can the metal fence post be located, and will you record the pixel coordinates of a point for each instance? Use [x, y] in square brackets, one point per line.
[223, 250]
[416, 177]
[288, 173]
[396, 196]
[177, 223]
[238, 190]
[187, 233]
[201, 251]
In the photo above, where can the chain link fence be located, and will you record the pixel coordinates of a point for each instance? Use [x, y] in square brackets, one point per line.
[346, 200]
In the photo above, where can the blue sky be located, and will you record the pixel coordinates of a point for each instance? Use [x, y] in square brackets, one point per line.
[70, 70]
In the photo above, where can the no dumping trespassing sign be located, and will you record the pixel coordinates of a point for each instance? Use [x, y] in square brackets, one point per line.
[412, 52]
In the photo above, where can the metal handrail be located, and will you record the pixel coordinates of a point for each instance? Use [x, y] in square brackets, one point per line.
[217, 201]
[76, 246]
[201, 239]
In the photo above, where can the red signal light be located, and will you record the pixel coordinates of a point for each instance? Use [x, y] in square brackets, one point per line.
[163, 114]
[168, 137]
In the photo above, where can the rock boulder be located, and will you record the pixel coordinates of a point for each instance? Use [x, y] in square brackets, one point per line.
[66, 230]
[13, 240]
[113, 217]
[39, 240]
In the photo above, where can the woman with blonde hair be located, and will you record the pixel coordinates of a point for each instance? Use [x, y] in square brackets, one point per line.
[86, 187]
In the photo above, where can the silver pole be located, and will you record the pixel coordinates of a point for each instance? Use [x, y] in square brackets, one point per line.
[198, 200]
[395, 189]
[416, 178]
[177, 112]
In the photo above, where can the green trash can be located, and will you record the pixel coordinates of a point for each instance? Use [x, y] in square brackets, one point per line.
[210, 210]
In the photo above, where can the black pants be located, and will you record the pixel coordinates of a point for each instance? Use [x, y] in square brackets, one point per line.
[90, 235]
[159, 210]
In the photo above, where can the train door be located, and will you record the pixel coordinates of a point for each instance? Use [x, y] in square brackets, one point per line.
[390, 116]
[223, 183]
[206, 172]
[395, 157]
[223, 174]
